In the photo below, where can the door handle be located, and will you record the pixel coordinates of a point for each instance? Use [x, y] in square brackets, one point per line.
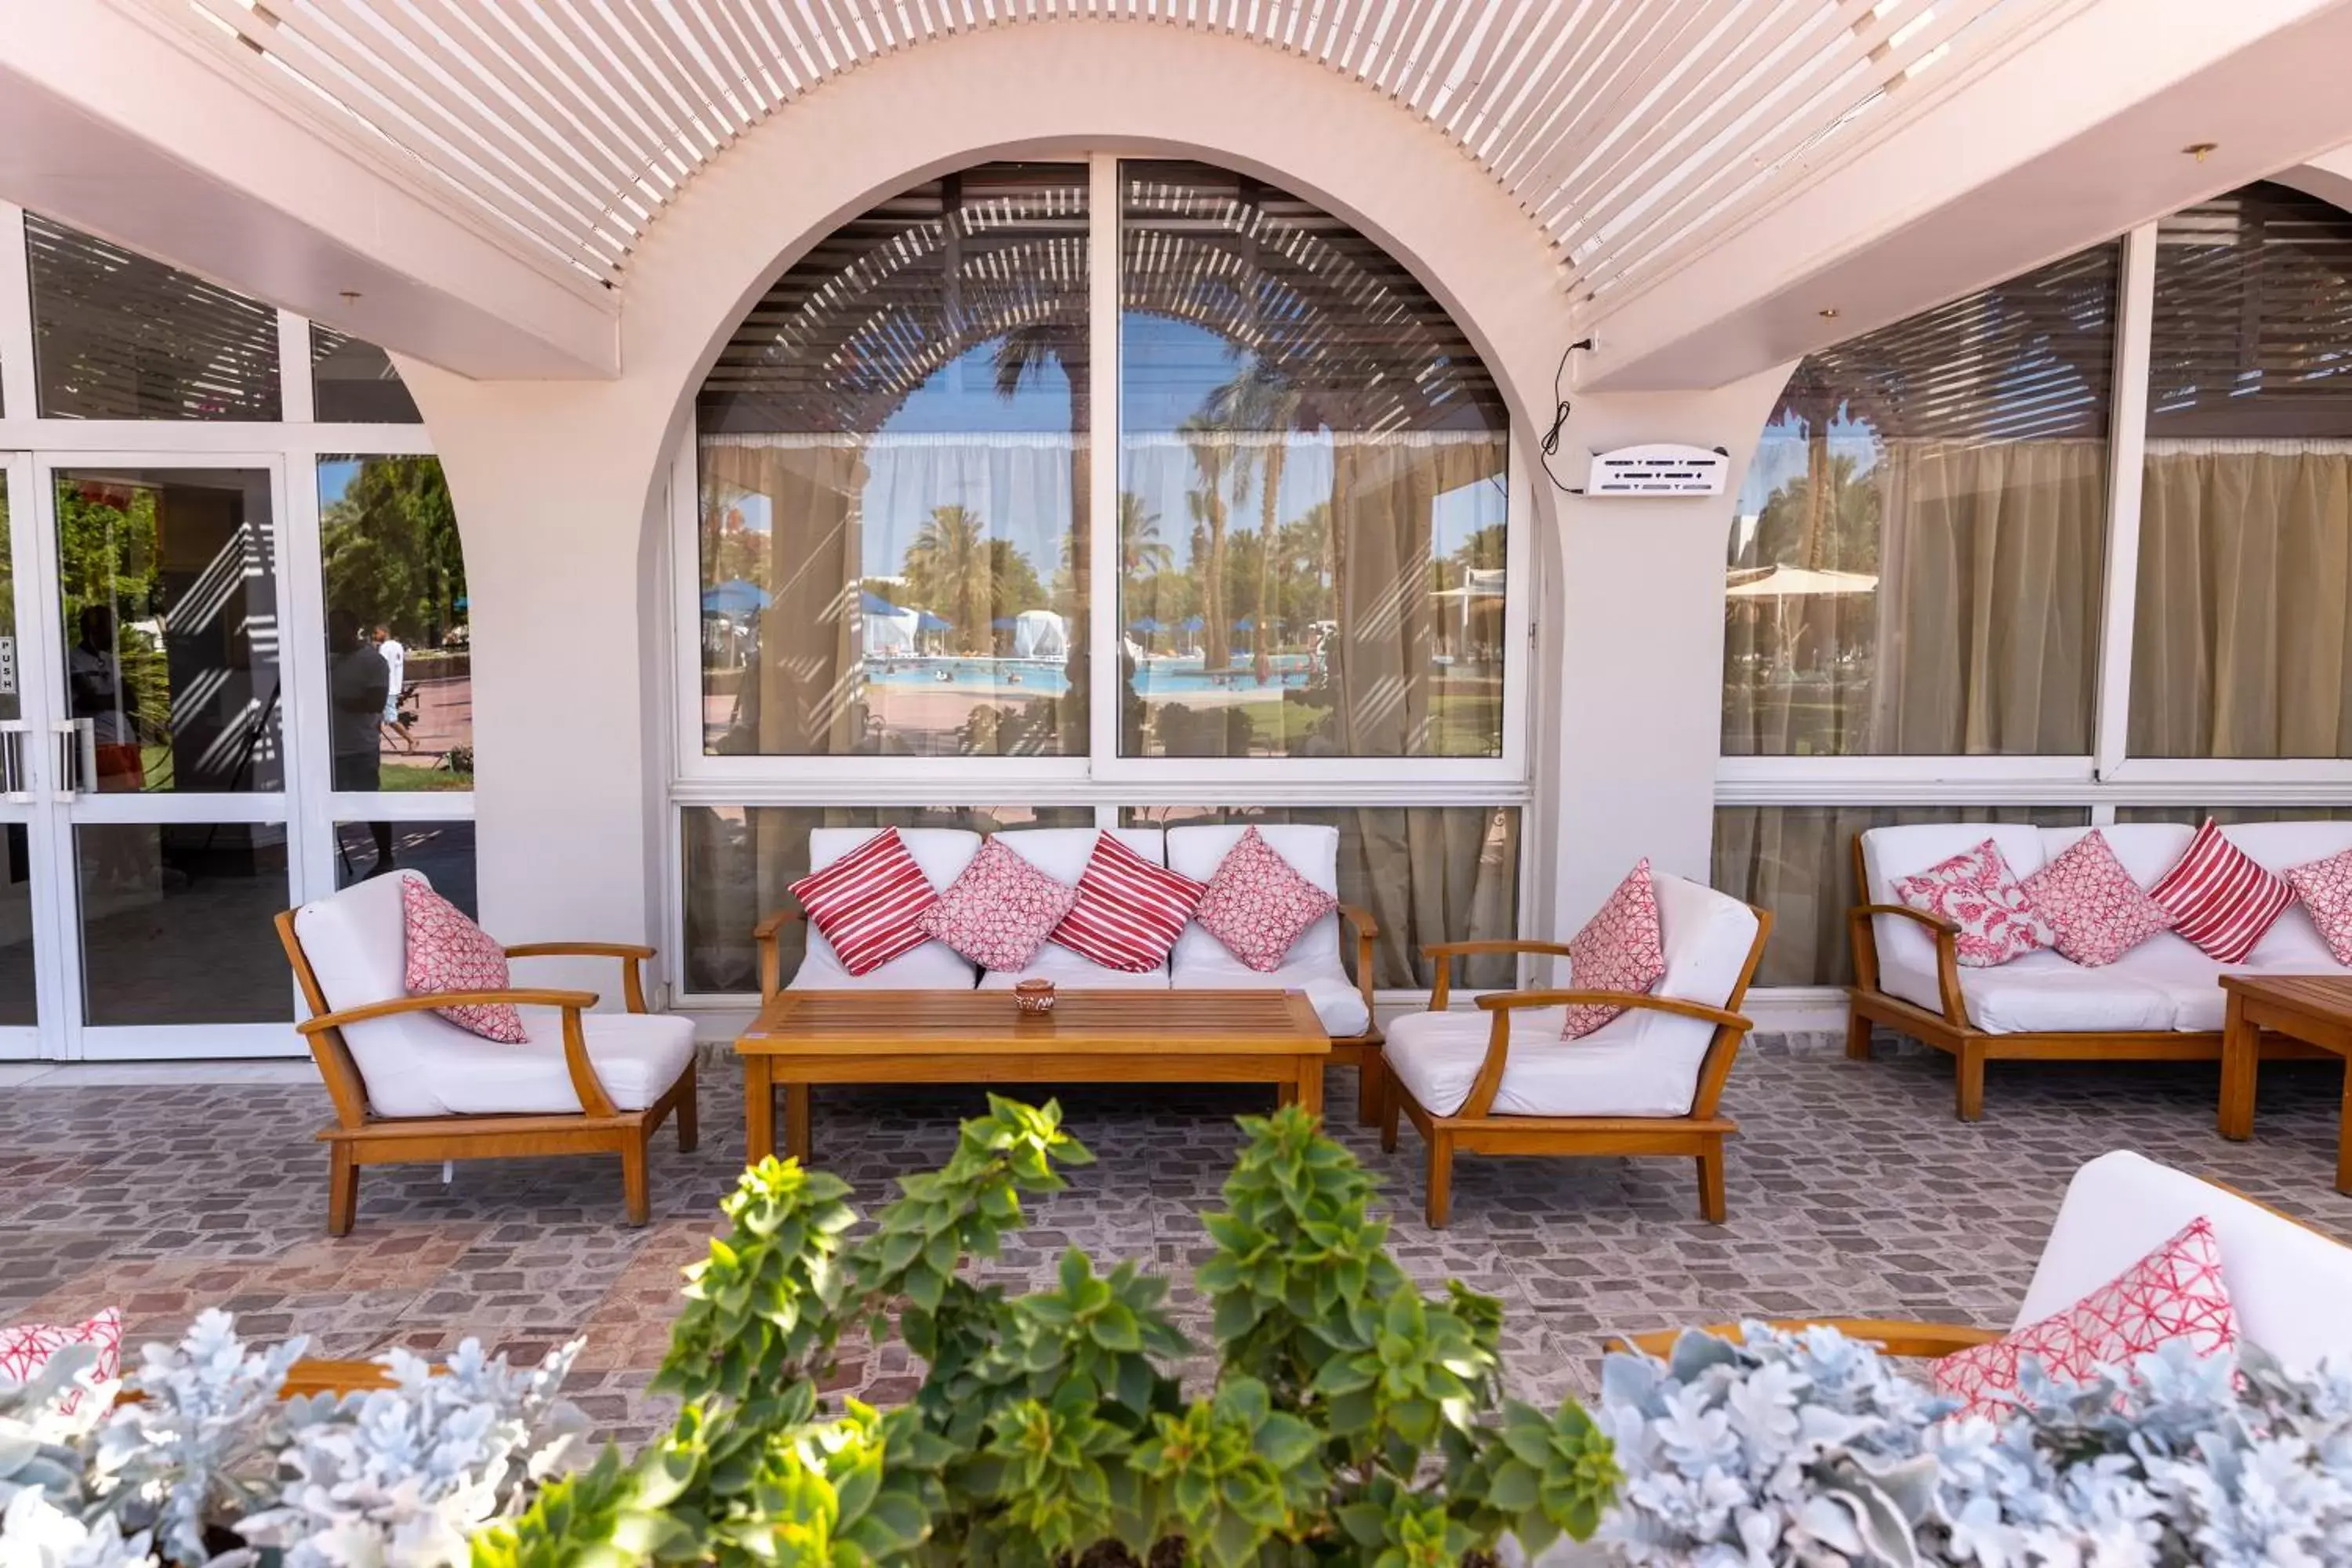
[76, 757]
[15, 783]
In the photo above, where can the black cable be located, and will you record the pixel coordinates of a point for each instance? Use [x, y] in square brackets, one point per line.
[1550, 445]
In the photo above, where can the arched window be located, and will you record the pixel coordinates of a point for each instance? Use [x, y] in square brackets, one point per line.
[1130, 489]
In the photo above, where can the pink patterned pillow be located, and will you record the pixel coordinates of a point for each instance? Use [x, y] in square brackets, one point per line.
[1000, 911]
[447, 953]
[1259, 905]
[1980, 893]
[2326, 889]
[1620, 948]
[2098, 913]
[2175, 1293]
[25, 1349]
[2220, 898]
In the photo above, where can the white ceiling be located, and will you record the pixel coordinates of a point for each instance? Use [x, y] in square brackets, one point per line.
[1634, 133]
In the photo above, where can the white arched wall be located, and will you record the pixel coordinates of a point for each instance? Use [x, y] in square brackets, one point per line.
[560, 486]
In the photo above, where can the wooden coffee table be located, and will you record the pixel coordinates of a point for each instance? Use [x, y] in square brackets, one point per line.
[805, 1037]
[2315, 1009]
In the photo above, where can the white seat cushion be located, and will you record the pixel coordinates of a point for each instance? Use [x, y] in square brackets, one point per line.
[419, 1063]
[943, 853]
[1640, 1063]
[1201, 962]
[1906, 952]
[2043, 992]
[2288, 1284]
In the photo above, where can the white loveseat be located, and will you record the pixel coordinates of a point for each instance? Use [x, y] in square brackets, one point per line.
[2161, 1002]
[408, 1085]
[1316, 964]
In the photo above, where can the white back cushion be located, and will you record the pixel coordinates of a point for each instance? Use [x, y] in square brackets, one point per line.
[2148, 849]
[943, 853]
[2292, 1286]
[1313, 852]
[357, 942]
[1062, 852]
[1891, 854]
[2144, 849]
[1707, 935]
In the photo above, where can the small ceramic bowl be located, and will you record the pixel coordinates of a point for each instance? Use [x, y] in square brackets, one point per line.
[1033, 995]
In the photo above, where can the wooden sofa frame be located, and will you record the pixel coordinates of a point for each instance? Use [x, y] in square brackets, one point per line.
[1970, 1047]
[1700, 1133]
[1360, 1051]
[361, 1137]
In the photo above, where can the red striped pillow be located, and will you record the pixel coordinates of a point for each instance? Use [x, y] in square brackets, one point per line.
[869, 903]
[2218, 898]
[1130, 911]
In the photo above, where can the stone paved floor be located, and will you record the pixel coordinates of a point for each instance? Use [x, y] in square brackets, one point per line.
[1852, 1190]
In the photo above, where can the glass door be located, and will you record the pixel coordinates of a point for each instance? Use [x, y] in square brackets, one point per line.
[23, 985]
[165, 801]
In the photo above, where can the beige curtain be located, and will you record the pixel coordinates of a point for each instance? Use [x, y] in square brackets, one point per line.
[2241, 644]
[1798, 862]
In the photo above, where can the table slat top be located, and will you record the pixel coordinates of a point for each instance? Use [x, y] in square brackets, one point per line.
[858, 1023]
[2324, 994]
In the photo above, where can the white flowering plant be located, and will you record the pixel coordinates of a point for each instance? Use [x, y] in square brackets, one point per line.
[205, 1465]
[1807, 1447]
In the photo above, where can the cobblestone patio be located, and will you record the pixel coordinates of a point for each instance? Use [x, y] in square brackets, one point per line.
[1852, 1190]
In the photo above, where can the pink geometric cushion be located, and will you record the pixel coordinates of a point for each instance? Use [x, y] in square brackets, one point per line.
[2326, 889]
[2220, 898]
[869, 903]
[447, 953]
[2174, 1293]
[1259, 905]
[1620, 948]
[999, 911]
[27, 1348]
[1129, 912]
[2091, 902]
[1978, 892]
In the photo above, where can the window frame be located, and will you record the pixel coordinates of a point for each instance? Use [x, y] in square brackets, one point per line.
[1102, 779]
[2109, 778]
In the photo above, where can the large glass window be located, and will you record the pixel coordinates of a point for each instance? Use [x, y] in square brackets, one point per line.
[2242, 634]
[352, 383]
[1916, 563]
[894, 485]
[116, 336]
[175, 922]
[167, 580]
[1312, 487]
[398, 648]
[15, 844]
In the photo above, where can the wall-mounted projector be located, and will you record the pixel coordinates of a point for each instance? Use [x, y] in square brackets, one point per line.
[1659, 469]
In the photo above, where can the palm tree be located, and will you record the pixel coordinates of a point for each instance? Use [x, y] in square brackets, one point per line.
[951, 566]
[1141, 548]
[1061, 340]
[1260, 398]
[1212, 460]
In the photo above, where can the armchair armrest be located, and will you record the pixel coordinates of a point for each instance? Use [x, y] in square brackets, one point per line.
[771, 977]
[1445, 952]
[584, 1081]
[1946, 932]
[1367, 928]
[633, 956]
[1893, 1336]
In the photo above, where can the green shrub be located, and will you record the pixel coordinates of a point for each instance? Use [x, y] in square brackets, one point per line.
[1353, 1419]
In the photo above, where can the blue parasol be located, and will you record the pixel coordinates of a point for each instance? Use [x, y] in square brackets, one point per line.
[927, 622]
[1149, 625]
[735, 597]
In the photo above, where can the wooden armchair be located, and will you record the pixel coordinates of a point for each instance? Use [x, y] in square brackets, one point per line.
[411, 1086]
[1647, 1083]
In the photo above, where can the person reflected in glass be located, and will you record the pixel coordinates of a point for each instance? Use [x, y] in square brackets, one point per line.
[358, 683]
[101, 695]
[395, 664]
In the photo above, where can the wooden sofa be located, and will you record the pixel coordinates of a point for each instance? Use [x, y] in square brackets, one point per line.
[2161, 1002]
[2287, 1282]
[1317, 965]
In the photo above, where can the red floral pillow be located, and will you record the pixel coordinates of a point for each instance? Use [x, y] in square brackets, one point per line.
[2093, 905]
[1259, 905]
[2220, 898]
[1129, 912]
[2326, 889]
[999, 911]
[2175, 1293]
[447, 953]
[1620, 948]
[27, 1348]
[1980, 893]
[869, 903]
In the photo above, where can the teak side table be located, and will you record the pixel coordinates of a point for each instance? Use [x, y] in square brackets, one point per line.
[805, 1037]
[2315, 1009]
